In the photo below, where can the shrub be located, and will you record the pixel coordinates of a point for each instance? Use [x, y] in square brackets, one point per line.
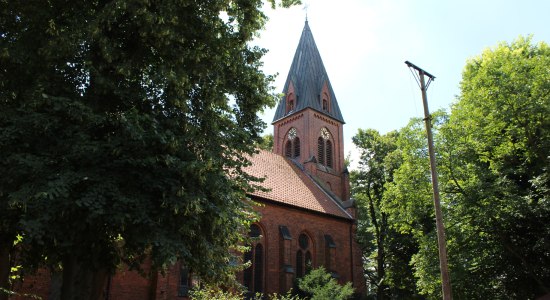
[321, 286]
[206, 292]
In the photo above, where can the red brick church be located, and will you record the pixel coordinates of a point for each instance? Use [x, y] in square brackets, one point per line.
[307, 217]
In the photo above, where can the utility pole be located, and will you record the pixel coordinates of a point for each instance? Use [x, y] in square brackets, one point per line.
[443, 266]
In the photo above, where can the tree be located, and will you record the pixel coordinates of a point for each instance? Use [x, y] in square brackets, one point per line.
[493, 164]
[267, 142]
[405, 202]
[387, 252]
[124, 128]
[409, 204]
[497, 174]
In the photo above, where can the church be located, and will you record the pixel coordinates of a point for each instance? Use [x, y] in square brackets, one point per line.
[307, 217]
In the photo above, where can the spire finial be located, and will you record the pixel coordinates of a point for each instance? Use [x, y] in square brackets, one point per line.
[306, 6]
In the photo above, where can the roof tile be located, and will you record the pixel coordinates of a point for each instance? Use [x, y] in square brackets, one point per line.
[290, 185]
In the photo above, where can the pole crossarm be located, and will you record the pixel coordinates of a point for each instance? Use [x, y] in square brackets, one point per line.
[420, 73]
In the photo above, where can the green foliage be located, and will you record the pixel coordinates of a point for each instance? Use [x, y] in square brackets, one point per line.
[288, 296]
[207, 292]
[409, 204]
[124, 129]
[321, 286]
[387, 250]
[492, 155]
[497, 176]
[267, 142]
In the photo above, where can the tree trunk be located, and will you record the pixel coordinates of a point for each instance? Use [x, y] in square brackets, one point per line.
[153, 284]
[381, 261]
[55, 285]
[81, 283]
[5, 268]
[99, 282]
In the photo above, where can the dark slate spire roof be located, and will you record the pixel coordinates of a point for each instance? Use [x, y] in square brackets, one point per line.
[308, 75]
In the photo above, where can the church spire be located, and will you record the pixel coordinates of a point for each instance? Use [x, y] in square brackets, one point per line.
[308, 124]
[307, 84]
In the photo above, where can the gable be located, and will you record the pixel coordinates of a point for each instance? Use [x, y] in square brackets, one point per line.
[290, 185]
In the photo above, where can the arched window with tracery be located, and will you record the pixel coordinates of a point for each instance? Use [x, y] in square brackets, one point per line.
[253, 276]
[292, 144]
[304, 260]
[324, 148]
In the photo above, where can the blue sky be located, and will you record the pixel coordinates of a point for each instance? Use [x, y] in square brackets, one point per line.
[364, 44]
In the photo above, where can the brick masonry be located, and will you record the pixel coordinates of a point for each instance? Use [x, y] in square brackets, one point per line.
[346, 261]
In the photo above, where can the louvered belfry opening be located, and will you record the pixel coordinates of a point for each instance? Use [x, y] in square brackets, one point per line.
[296, 147]
[321, 150]
[329, 153]
[288, 149]
[324, 148]
[292, 146]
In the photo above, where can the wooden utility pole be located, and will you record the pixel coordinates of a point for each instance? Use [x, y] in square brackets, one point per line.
[443, 266]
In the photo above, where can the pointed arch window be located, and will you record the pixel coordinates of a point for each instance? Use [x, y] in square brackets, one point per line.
[184, 281]
[253, 276]
[290, 102]
[324, 98]
[304, 260]
[324, 148]
[330, 253]
[292, 145]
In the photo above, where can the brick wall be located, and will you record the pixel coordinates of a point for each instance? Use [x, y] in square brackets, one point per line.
[308, 124]
[346, 261]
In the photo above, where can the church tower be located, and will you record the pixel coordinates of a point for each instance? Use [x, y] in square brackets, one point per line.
[308, 122]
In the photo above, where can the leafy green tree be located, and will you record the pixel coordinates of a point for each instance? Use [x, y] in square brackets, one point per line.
[496, 169]
[409, 207]
[267, 142]
[124, 127]
[408, 203]
[387, 252]
[321, 286]
[492, 154]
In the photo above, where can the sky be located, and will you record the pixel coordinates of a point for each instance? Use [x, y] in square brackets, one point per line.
[364, 44]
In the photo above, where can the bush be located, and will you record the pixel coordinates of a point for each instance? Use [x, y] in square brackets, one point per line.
[321, 286]
[216, 293]
[318, 285]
